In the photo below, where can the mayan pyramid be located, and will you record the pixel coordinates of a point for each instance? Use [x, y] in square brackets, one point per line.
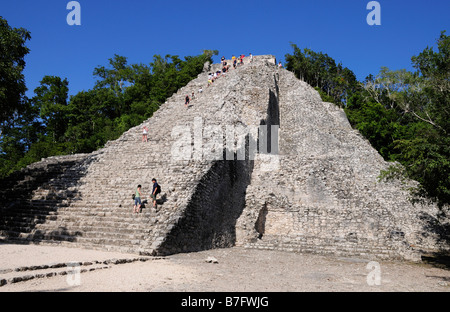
[257, 160]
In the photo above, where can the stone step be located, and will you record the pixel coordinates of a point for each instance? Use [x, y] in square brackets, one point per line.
[126, 248]
[111, 219]
[324, 247]
[92, 238]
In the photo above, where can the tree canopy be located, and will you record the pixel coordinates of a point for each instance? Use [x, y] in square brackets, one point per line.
[405, 115]
[333, 81]
[12, 64]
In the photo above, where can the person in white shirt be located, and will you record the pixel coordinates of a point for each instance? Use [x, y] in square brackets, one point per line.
[145, 134]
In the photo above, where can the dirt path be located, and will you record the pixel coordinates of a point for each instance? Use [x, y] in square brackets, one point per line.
[237, 270]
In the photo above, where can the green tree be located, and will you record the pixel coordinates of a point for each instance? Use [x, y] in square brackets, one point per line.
[12, 64]
[23, 131]
[116, 77]
[51, 100]
[334, 82]
[381, 126]
[405, 115]
[434, 69]
[427, 155]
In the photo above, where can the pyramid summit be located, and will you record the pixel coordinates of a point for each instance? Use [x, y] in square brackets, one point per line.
[256, 159]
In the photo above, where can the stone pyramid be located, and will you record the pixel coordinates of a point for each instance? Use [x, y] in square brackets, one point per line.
[256, 160]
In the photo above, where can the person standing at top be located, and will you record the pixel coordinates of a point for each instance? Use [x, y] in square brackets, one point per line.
[137, 199]
[186, 102]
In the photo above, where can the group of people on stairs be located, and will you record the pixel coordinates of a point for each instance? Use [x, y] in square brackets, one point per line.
[156, 189]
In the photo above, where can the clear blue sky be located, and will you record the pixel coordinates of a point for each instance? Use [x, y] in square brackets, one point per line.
[140, 29]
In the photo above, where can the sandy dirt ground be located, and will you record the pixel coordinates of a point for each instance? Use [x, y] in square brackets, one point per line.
[33, 268]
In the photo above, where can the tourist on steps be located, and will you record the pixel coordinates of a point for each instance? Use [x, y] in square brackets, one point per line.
[155, 191]
[137, 200]
[145, 134]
